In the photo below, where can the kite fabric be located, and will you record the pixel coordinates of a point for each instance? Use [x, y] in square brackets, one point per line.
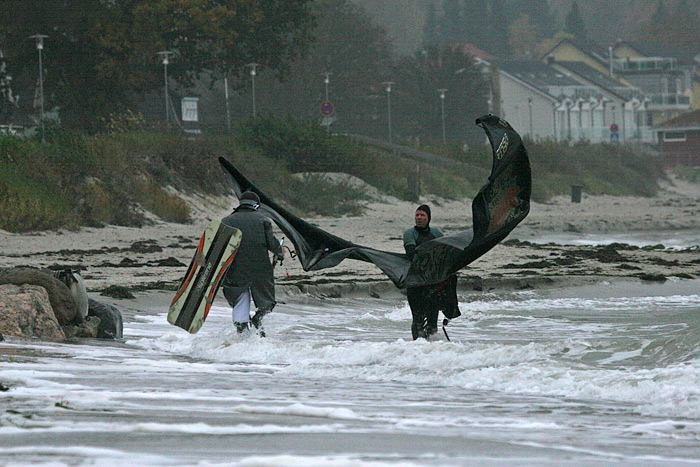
[499, 206]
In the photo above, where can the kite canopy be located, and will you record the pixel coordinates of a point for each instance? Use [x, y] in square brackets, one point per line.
[499, 206]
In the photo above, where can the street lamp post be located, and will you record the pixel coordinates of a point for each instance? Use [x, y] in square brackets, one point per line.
[442, 108]
[39, 39]
[253, 72]
[165, 57]
[326, 81]
[228, 108]
[388, 85]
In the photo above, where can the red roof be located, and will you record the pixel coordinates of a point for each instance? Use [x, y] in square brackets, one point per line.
[475, 51]
[687, 120]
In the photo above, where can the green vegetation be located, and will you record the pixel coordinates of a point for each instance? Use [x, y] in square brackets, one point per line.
[75, 180]
[103, 55]
[612, 169]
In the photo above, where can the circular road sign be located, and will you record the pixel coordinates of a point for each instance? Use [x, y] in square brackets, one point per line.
[327, 109]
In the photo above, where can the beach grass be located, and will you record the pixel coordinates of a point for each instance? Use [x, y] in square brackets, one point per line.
[74, 179]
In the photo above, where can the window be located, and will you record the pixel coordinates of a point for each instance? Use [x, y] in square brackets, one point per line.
[674, 136]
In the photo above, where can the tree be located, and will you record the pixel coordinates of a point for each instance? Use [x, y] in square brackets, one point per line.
[416, 100]
[524, 37]
[101, 53]
[574, 23]
[348, 45]
[680, 28]
[499, 28]
[540, 15]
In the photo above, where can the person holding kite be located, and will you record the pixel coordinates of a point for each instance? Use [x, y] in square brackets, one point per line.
[251, 273]
[426, 301]
[499, 206]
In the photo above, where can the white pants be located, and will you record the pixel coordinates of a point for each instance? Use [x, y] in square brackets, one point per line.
[241, 310]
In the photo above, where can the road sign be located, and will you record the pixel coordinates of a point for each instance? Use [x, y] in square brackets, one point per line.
[327, 109]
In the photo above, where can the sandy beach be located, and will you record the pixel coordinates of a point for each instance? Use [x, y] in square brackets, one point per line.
[156, 256]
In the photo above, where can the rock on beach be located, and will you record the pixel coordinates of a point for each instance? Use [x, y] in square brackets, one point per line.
[25, 311]
[62, 302]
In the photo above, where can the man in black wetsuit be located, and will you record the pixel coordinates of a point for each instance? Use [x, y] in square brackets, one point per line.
[251, 273]
[426, 301]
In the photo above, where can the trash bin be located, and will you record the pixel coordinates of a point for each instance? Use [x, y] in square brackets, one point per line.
[576, 193]
[413, 180]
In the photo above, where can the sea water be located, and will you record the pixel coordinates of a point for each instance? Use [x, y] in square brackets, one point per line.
[676, 239]
[603, 375]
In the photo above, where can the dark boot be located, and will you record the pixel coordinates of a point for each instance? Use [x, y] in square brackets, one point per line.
[241, 327]
[418, 331]
[256, 320]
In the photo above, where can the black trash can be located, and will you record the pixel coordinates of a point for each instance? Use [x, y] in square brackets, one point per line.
[576, 193]
[413, 179]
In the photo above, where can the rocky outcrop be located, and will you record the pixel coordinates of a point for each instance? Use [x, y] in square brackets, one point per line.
[111, 324]
[25, 311]
[62, 303]
[88, 328]
[27, 315]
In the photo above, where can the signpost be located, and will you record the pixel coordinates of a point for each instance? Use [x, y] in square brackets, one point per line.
[327, 108]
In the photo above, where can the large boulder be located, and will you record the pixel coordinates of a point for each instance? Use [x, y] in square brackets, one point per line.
[111, 324]
[62, 302]
[25, 311]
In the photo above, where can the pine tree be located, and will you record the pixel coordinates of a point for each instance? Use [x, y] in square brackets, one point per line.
[660, 16]
[498, 21]
[539, 13]
[574, 23]
[431, 28]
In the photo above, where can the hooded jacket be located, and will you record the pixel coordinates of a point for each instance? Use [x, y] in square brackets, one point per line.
[251, 267]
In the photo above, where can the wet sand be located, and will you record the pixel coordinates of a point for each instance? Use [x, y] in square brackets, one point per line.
[156, 256]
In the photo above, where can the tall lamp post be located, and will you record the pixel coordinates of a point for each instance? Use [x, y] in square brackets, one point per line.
[226, 96]
[388, 85]
[442, 109]
[529, 106]
[39, 39]
[165, 57]
[253, 72]
[326, 81]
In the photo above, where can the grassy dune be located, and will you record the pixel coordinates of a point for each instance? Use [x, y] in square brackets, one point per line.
[76, 180]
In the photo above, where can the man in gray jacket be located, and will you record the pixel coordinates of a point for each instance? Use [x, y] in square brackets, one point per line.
[251, 274]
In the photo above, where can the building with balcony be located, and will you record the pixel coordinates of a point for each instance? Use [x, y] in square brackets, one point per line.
[546, 102]
[667, 75]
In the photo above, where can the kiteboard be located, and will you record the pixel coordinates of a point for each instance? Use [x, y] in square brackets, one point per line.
[214, 255]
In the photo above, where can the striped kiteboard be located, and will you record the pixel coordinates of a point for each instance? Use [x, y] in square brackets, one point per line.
[214, 255]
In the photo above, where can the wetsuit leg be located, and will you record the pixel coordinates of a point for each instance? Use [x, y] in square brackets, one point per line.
[416, 300]
[431, 319]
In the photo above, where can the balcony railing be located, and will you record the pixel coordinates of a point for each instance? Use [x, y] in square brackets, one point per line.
[668, 99]
[645, 64]
[602, 135]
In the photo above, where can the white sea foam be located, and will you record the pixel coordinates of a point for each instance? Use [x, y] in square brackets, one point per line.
[315, 461]
[301, 410]
[72, 456]
[186, 428]
[354, 369]
[523, 369]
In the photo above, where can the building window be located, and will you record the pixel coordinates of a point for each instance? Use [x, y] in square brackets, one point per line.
[674, 136]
